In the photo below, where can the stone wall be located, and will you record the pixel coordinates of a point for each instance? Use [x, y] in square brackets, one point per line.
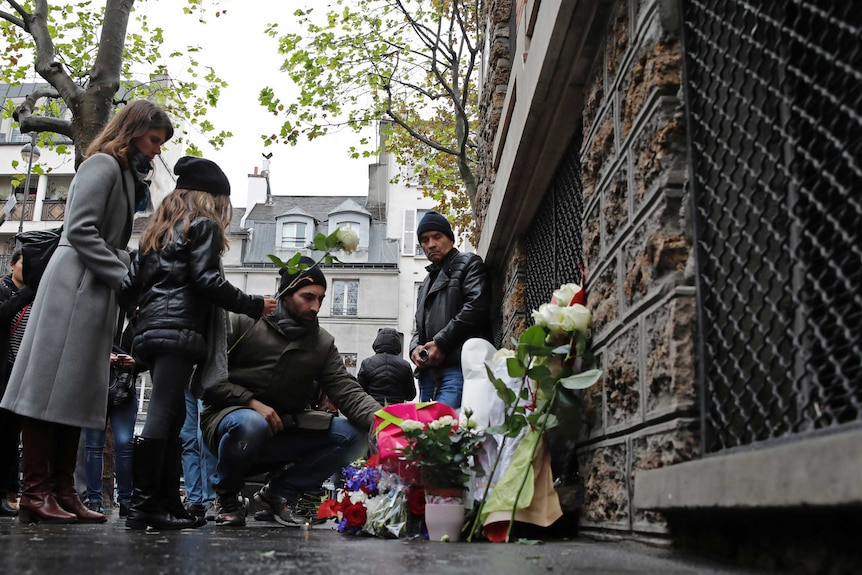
[497, 66]
[637, 248]
[509, 285]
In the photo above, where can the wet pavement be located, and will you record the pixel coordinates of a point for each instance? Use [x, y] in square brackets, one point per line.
[270, 548]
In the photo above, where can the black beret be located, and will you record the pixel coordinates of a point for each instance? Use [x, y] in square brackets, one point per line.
[202, 175]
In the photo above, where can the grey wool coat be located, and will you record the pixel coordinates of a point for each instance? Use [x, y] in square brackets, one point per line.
[61, 372]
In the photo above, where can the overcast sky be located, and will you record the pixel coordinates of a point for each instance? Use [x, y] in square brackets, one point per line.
[235, 45]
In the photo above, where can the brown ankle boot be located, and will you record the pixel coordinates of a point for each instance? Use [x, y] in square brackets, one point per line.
[63, 477]
[37, 503]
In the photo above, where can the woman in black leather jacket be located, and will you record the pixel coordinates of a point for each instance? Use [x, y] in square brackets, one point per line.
[180, 291]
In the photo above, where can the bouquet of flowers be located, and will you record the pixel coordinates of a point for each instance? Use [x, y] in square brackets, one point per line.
[444, 451]
[549, 366]
[372, 502]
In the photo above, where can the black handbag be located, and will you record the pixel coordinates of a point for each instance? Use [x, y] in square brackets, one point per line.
[121, 389]
[37, 247]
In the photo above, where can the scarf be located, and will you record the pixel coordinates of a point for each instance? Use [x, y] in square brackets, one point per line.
[291, 328]
[142, 170]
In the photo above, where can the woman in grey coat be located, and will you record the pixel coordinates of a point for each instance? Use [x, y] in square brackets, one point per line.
[59, 382]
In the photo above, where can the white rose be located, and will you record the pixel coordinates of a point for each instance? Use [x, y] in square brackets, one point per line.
[411, 425]
[447, 421]
[577, 319]
[358, 497]
[348, 239]
[566, 294]
[552, 317]
[541, 315]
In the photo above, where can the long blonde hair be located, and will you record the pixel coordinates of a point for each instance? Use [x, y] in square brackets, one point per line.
[133, 120]
[183, 205]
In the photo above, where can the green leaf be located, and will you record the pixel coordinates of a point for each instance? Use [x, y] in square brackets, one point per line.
[515, 368]
[542, 421]
[533, 337]
[320, 243]
[277, 261]
[581, 380]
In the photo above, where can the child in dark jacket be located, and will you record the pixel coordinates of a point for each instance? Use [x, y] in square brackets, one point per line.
[181, 293]
[386, 376]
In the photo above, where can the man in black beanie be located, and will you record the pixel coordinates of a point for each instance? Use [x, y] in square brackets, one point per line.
[454, 305]
[260, 418]
[310, 275]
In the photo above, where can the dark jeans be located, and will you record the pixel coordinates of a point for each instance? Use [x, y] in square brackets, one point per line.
[122, 420]
[198, 463]
[443, 384]
[308, 457]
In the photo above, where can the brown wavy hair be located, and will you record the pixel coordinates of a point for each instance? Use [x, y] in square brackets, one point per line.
[133, 120]
[183, 206]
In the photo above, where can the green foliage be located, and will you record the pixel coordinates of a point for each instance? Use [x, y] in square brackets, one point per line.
[411, 62]
[81, 56]
[444, 451]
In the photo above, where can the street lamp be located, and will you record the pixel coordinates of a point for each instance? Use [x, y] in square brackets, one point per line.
[29, 153]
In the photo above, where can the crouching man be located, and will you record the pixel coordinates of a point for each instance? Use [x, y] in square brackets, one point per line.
[258, 420]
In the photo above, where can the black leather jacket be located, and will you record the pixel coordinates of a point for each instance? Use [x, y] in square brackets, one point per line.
[176, 288]
[454, 305]
[386, 376]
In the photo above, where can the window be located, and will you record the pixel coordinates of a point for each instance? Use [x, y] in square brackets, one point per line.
[350, 226]
[411, 222]
[349, 360]
[345, 295]
[293, 235]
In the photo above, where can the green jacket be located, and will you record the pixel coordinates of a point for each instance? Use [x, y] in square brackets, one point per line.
[282, 374]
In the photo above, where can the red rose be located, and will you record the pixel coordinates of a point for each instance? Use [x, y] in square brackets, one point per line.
[373, 461]
[355, 515]
[328, 508]
[416, 501]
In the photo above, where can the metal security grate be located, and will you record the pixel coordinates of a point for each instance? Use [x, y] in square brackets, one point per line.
[774, 98]
[555, 241]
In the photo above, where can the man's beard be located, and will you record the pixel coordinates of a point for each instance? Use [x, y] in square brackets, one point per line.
[284, 312]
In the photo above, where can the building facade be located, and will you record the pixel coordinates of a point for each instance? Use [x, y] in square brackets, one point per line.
[695, 165]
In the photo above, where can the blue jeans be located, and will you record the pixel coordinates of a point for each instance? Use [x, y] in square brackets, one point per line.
[122, 420]
[198, 462]
[306, 457]
[444, 384]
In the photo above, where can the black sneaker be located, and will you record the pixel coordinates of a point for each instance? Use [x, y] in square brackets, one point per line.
[281, 509]
[197, 509]
[231, 509]
[210, 512]
[263, 515]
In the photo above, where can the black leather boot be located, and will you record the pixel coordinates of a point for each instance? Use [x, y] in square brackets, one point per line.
[147, 509]
[170, 485]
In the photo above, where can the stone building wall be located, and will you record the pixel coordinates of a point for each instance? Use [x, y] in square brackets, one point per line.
[637, 246]
[497, 65]
[637, 249]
